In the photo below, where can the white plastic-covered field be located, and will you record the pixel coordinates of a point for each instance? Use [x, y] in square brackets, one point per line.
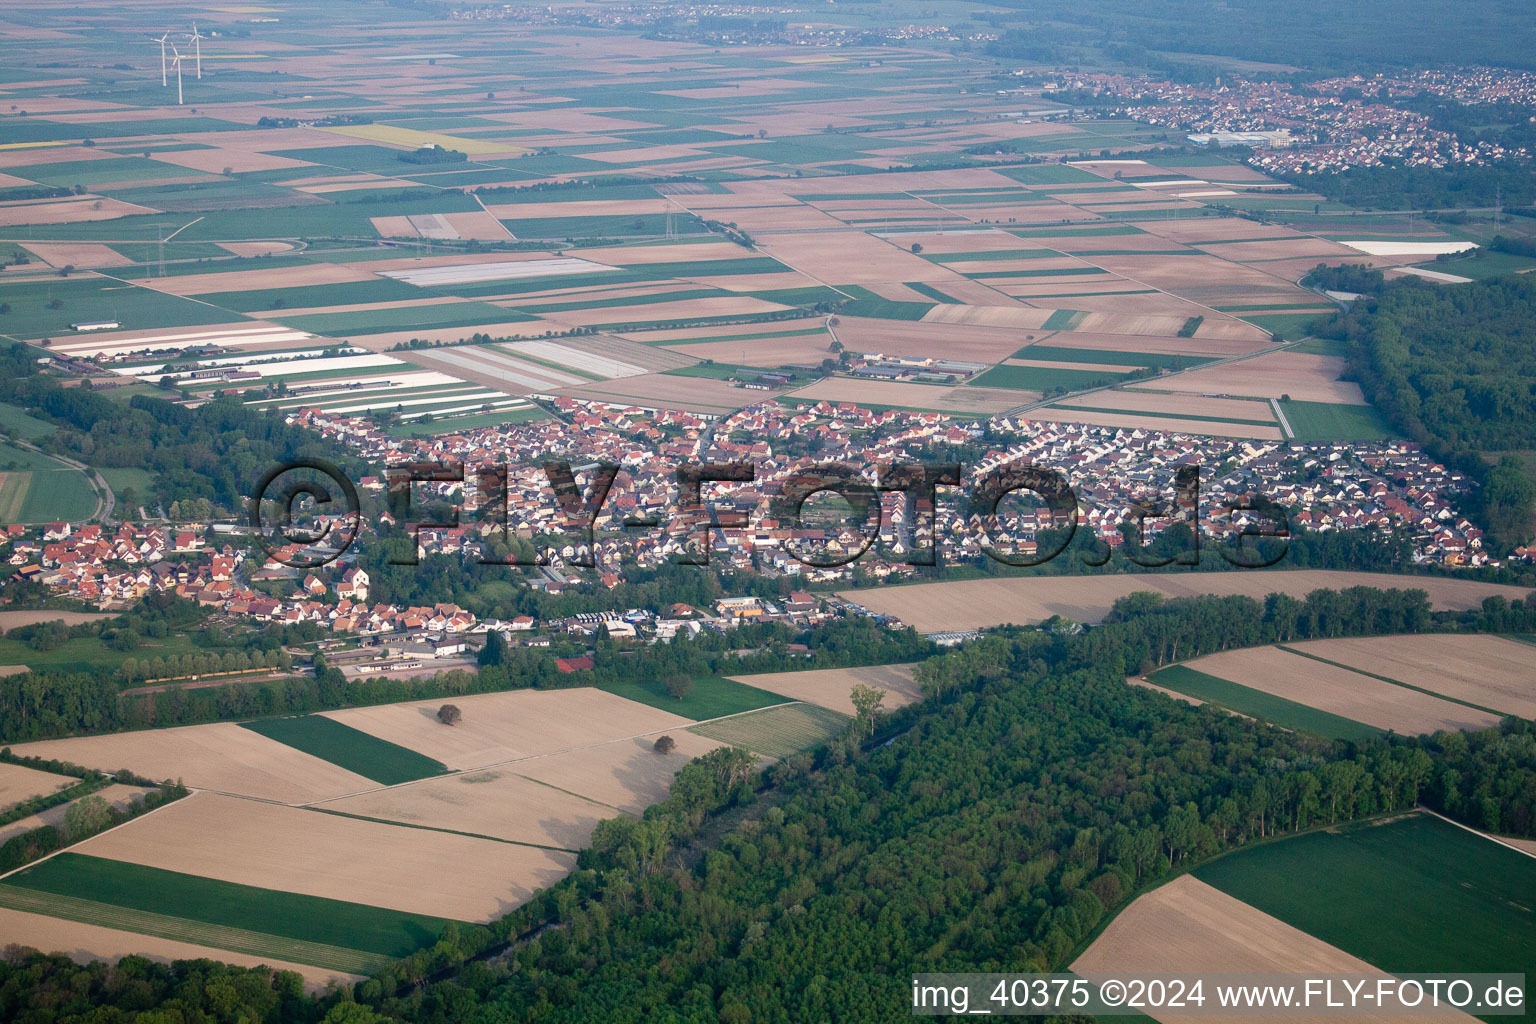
[474, 273]
[1377, 248]
[503, 368]
[118, 346]
[276, 368]
[576, 359]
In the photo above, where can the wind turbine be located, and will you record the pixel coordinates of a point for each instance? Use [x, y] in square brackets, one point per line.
[197, 41]
[162, 58]
[176, 60]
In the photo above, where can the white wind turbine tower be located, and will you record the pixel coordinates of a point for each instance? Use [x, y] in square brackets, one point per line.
[197, 41]
[162, 58]
[176, 60]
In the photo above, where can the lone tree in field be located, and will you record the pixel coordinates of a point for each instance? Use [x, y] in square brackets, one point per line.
[866, 703]
[665, 745]
[678, 686]
[449, 714]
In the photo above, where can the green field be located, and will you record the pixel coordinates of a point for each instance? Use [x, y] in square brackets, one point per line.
[87, 297]
[18, 423]
[1150, 361]
[456, 424]
[1064, 319]
[386, 763]
[377, 321]
[195, 900]
[710, 697]
[1414, 894]
[1256, 703]
[1045, 378]
[1325, 421]
[89, 654]
[779, 731]
[37, 489]
[261, 299]
[1287, 325]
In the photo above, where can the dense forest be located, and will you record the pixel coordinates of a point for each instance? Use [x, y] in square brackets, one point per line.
[1399, 187]
[1454, 369]
[215, 452]
[990, 827]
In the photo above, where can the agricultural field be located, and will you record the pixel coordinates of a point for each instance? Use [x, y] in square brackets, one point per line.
[973, 604]
[830, 687]
[1189, 927]
[1402, 893]
[1332, 689]
[777, 732]
[1483, 671]
[222, 758]
[348, 748]
[37, 489]
[707, 697]
[19, 783]
[501, 727]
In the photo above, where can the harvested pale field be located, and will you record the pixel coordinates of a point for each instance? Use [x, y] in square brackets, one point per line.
[73, 211]
[751, 282]
[215, 161]
[28, 155]
[500, 727]
[771, 220]
[1172, 404]
[1009, 317]
[1194, 231]
[765, 352]
[119, 796]
[681, 309]
[79, 254]
[1129, 301]
[974, 604]
[970, 239]
[1135, 421]
[1489, 671]
[18, 783]
[257, 280]
[357, 186]
[296, 850]
[940, 340]
[627, 774]
[221, 757]
[1230, 330]
[255, 248]
[980, 293]
[11, 620]
[579, 208]
[1306, 378]
[830, 687]
[86, 942]
[1057, 364]
[939, 397]
[1215, 348]
[731, 331]
[1157, 325]
[665, 391]
[1340, 691]
[844, 257]
[1280, 249]
[477, 225]
[686, 252]
[394, 227]
[490, 802]
[1188, 927]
